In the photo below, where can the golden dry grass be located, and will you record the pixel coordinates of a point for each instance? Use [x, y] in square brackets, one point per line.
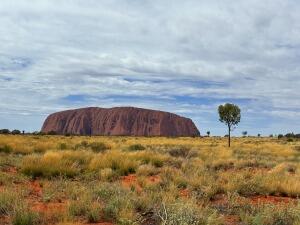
[167, 176]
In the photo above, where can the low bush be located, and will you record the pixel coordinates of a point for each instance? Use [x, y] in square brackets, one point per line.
[246, 183]
[148, 157]
[105, 191]
[5, 148]
[179, 151]
[107, 174]
[147, 170]
[62, 146]
[98, 147]
[7, 202]
[185, 213]
[112, 208]
[24, 216]
[67, 163]
[117, 201]
[136, 147]
[121, 163]
[79, 207]
[271, 215]
[94, 214]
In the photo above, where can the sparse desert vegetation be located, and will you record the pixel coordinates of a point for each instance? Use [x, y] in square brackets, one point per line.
[149, 181]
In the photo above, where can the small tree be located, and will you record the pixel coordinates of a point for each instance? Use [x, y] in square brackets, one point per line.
[4, 131]
[208, 133]
[230, 114]
[16, 132]
[244, 133]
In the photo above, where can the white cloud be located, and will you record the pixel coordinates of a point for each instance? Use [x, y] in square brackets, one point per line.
[153, 49]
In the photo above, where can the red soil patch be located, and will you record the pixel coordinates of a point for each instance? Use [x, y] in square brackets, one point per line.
[260, 199]
[253, 170]
[185, 193]
[103, 223]
[231, 220]
[83, 223]
[154, 179]
[100, 223]
[35, 188]
[221, 200]
[10, 169]
[131, 181]
[5, 220]
[48, 208]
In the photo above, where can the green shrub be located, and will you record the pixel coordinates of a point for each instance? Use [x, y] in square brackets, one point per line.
[98, 147]
[79, 207]
[94, 214]
[62, 146]
[148, 157]
[147, 170]
[7, 202]
[107, 190]
[136, 147]
[112, 208]
[271, 215]
[247, 184]
[5, 148]
[179, 151]
[64, 163]
[121, 163]
[157, 162]
[24, 216]
[181, 213]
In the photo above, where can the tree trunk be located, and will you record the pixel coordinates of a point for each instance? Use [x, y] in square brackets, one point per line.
[229, 136]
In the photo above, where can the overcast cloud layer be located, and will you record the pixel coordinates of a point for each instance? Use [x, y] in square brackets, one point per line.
[186, 57]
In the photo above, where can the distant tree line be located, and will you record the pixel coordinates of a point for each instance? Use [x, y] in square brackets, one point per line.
[289, 135]
[244, 133]
[7, 131]
[16, 132]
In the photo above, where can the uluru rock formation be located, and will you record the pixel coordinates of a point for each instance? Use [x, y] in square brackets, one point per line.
[119, 121]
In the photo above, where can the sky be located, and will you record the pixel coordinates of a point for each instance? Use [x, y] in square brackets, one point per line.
[185, 57]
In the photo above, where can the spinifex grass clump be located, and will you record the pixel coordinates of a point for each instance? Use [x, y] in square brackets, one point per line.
[136, 147]
[98, 146]
[119, 162]
[5, 148]
[22, 215]
[8, 200]
[67, 163]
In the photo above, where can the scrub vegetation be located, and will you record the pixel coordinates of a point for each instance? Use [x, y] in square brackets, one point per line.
[150, 181]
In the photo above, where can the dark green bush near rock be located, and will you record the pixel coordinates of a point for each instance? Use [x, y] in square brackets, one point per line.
[98, 146]
[5, 149]
[136, 147]
[180, 151]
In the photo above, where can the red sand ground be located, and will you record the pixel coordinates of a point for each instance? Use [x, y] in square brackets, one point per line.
[10, 170]
[261, 199]
[185, 193]
[231, 220]
[131, 181]
[51, 208]
[222, 201]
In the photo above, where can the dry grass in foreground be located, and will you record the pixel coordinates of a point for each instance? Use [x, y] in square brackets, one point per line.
[148, 181]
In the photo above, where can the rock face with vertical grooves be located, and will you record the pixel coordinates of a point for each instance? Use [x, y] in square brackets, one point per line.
[119, 121]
